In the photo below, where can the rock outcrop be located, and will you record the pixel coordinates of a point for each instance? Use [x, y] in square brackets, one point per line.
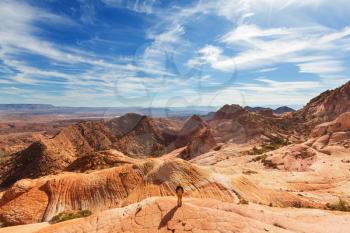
[230, 112]
[266, 112]
[235, 124]
[203, 143]
[150, 137]
[332, 136]
[327, 106]
[196, 136]
[299, 157]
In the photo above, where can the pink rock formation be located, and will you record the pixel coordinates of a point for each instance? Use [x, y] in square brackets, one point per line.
[196, 215]
[327, 106]
[41, 199]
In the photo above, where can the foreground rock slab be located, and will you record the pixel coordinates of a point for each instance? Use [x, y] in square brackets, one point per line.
[160, 214]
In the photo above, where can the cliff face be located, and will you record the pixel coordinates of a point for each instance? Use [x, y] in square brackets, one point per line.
[202, 143]
[196, 136]
[235, 124]
[327, 106]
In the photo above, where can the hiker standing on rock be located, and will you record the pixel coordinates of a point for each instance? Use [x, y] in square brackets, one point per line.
[179, 193]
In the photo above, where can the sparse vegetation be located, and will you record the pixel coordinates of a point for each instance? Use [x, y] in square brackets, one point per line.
[341, 205]
[243, 201]
[268, 163]
[259, 158]
[65, 216]
[249, 172]
[2, 224]
[274, 144]
[297, 204]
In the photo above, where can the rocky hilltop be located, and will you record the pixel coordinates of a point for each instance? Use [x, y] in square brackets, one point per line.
[279, 110]
[327, 106]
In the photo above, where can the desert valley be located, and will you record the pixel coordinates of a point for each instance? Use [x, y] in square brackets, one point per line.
[242, 170]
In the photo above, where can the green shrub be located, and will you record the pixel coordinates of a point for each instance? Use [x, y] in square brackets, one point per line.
[65, 216]
[274, 144]
[342, 205]
[259, 158]
[2, 224]
[268, 163]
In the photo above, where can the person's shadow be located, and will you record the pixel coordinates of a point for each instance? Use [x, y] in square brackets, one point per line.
[167, 217]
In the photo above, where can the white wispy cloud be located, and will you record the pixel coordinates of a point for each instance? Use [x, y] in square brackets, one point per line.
[265, 70]
[245, 33]
[145, 6]
[19, 35]
[322, 67]
[275, 46]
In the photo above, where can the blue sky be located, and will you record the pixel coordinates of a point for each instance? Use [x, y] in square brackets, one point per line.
[172, 53]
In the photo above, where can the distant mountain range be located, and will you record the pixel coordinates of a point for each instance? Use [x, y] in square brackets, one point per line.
[279, 110]
[47, 109]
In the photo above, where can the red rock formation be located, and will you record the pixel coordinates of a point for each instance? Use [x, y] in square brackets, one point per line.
[149, 137]
[332, 136]
[299, 157]
[340, 124]
[196, 135]
[266, 112]
[327, 106]
[132, 134]
[229, 112]
[202, 143]
[233, 123]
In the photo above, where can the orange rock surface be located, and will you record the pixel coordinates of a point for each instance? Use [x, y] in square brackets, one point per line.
[196, 215]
